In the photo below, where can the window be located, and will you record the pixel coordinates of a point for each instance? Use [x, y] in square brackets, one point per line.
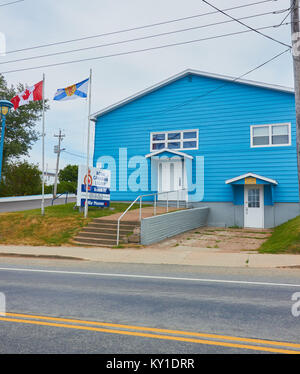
[271, 135]
[176, 140]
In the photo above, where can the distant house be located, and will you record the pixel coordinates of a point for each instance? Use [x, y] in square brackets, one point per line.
[229, 145]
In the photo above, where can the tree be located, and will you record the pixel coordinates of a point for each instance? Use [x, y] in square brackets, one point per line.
[20, 134]
[68, 179]
[20, 179]
[68, 174]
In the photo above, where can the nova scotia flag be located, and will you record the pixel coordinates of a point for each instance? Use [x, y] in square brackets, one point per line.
[72, 92]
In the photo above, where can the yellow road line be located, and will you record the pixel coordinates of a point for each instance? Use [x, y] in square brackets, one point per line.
[153, 336]
[152, 329]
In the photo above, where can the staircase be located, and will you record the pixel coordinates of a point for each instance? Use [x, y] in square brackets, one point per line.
[103, 233]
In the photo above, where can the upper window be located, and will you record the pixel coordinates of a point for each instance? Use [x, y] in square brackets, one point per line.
[177, 140]
[278, 134]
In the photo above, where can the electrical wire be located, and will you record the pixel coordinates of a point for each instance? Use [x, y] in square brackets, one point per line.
[214, 89]
[12, 2]
[136, 28]
[135, 51]
[243, 24]
[291, 8]
[135, 39]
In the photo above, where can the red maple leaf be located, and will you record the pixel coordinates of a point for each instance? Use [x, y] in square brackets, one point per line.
[26, 94]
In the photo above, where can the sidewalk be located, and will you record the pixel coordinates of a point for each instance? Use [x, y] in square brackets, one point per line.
[180, 255]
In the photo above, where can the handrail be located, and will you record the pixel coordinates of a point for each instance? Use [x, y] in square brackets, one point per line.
[66, 200]
[140, 197]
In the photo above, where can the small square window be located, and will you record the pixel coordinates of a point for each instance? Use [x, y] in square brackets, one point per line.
[157, 137]
[157, 146]
[190, 135]
[174, 145]
[174, 136]
[189, 144]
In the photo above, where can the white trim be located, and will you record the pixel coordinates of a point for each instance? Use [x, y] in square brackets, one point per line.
[181, 140]
[270, 135]
[181, 75]
[261, 206]
[185, 155]
[272, 181]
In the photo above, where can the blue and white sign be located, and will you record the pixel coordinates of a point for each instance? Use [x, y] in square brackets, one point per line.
[98, 181]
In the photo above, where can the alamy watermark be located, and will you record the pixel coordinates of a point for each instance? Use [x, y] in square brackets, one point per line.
[135, 173]
[296, 306]
[2, 44]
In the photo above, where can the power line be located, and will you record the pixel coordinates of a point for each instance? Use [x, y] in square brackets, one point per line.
[74, 154]
[243, 24]
[291, 9]
[136, 28]
[215, 89]
[137, 50]
[12, 2]
[138, 38]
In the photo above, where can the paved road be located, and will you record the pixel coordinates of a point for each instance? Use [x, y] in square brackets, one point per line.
[88, 307]
[17, 206]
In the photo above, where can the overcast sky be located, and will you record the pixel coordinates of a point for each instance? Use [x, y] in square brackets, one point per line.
[33, 23]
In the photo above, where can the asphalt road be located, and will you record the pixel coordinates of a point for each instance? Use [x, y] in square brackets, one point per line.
[83, 307]
[17, 206]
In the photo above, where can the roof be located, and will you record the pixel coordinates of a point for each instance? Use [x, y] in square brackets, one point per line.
[183, 74]
[269, 180]
[181, 154]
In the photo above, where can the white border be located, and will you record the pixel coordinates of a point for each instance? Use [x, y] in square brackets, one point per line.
[171, 151]
[270, 135]
[262, 203]
[273, 181]
[181, 140]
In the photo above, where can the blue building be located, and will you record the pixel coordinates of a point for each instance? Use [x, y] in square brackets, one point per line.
[217, 142]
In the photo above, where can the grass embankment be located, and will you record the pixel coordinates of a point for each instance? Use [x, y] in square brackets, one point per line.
[284, 239]
[57, 227]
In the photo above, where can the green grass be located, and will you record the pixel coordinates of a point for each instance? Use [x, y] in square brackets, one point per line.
[57, 227]
[284, 239]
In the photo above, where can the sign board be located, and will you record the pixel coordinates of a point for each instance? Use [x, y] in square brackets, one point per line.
[98, 186]
[250, 180]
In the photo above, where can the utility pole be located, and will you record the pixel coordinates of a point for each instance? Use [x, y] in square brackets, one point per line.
[57, 150]
[296, 61]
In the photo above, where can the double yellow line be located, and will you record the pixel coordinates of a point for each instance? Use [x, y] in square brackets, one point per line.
[155, 333]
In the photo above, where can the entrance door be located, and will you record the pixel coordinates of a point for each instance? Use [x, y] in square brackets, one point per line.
[170, 178]
[254, 206]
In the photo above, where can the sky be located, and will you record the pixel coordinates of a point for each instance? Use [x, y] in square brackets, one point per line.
[33, 23]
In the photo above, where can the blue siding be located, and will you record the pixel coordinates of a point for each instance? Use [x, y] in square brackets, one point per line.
[223, 118]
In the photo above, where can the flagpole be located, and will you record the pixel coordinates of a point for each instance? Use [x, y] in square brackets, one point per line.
[86, 207]
[43, 152]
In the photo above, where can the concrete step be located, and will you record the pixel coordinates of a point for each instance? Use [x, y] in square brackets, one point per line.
[100, 220]
[106, 230]
[95, 242]
[111, 226]
[92, 235]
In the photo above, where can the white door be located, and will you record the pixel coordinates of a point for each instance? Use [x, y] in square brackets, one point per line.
[170, 178]
[254, 206]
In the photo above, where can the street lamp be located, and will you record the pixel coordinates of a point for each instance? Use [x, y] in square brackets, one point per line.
[5, 107]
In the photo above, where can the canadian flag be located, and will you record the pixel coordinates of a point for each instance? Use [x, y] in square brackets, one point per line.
[33, 93]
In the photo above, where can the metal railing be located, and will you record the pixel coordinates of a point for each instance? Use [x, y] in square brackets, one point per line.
[58, 196]
[155, 199]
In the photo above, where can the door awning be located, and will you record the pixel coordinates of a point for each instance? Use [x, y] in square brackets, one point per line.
[251, 178]
[169, 153]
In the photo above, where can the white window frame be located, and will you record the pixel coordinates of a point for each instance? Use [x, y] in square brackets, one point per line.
[269, 125]
[181, 140]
